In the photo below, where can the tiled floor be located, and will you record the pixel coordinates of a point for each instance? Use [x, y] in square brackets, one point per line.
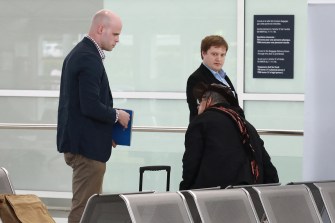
[59, 216]
[60, 220]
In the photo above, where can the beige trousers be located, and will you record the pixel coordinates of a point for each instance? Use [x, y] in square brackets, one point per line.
[87, 179]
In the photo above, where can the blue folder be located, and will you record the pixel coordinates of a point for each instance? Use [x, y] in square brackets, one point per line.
[120, 135]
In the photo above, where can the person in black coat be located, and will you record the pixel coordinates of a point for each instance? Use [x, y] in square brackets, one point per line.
[213, 53]
[85, 113]
[221, 147]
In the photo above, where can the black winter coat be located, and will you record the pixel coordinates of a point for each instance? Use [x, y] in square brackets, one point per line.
[215, 156]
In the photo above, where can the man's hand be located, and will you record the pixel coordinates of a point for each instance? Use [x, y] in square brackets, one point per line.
[124, 118]
[113, 144]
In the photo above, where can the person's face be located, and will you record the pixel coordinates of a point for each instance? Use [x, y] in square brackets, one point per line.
[214, 58]
[110, 34]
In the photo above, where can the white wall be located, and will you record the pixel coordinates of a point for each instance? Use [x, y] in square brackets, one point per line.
[319, 152]
[320, 1]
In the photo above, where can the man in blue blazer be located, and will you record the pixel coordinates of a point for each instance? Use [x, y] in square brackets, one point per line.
[85, 113]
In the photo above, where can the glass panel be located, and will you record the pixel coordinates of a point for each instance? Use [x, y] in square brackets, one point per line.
[33, 149]
[298, 8]
[28, 110]
[275, 114]
[38, 36]
[147, 149]
[33, 162]
[286, 154]
[147, 112]
[153, 112]
[159, 48]
[160, 42]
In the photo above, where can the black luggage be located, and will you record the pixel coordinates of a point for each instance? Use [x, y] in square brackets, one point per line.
[155, 168]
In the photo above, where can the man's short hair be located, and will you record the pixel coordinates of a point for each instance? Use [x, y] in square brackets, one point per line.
[213, 40]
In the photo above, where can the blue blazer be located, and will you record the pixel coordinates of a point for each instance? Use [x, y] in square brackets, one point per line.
[85, 111]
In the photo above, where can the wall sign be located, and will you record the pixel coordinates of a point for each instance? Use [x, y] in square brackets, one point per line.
[273, 46]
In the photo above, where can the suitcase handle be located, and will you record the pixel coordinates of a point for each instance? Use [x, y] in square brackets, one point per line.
[155, 168]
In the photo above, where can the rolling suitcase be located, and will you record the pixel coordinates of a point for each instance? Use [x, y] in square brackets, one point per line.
[155, 168]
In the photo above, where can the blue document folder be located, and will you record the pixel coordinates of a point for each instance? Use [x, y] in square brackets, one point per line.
[120, 135]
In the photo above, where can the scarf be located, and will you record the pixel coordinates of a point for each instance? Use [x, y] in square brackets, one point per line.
[242, 127]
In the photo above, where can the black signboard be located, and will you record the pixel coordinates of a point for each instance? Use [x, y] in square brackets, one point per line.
[273, 46]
